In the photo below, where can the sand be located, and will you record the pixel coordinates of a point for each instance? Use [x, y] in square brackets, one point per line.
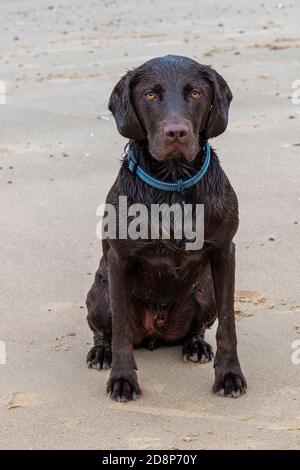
[59, 154]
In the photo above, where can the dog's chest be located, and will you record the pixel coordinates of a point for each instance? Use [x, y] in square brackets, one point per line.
[161, 275]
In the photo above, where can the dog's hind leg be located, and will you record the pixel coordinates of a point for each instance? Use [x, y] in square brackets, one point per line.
[99, 320]
[195, 348]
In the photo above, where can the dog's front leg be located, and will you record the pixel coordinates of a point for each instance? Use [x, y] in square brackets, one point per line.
[122, 384]
[229, 379]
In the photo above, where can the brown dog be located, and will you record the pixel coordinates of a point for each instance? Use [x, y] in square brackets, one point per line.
[149, 292]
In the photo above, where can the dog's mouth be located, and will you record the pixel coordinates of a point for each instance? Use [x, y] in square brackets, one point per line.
[176, 149]
[174, 155]
[176, 152]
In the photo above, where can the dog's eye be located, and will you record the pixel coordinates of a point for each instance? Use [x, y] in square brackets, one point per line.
[150, 96]
[195, 94]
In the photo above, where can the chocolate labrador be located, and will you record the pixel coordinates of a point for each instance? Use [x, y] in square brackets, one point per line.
[153, 291]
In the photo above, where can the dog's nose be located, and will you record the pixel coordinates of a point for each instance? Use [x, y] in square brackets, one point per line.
[175, 132]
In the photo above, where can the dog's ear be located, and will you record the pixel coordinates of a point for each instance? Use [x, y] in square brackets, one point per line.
[121, 106]
[218, 117]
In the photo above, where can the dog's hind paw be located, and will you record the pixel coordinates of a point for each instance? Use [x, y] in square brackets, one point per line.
[197, 350]
[100, 356]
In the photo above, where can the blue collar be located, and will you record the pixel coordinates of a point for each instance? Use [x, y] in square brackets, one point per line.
[179, 186]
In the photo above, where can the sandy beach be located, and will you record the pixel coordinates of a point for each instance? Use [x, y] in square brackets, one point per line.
[59, 154]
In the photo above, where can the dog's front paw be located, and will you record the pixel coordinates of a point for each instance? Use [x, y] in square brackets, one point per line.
[123, 387]
[197, 350]
[100, 356]
[229, 381]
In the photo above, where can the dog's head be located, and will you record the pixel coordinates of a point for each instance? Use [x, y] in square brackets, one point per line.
[169, 101]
